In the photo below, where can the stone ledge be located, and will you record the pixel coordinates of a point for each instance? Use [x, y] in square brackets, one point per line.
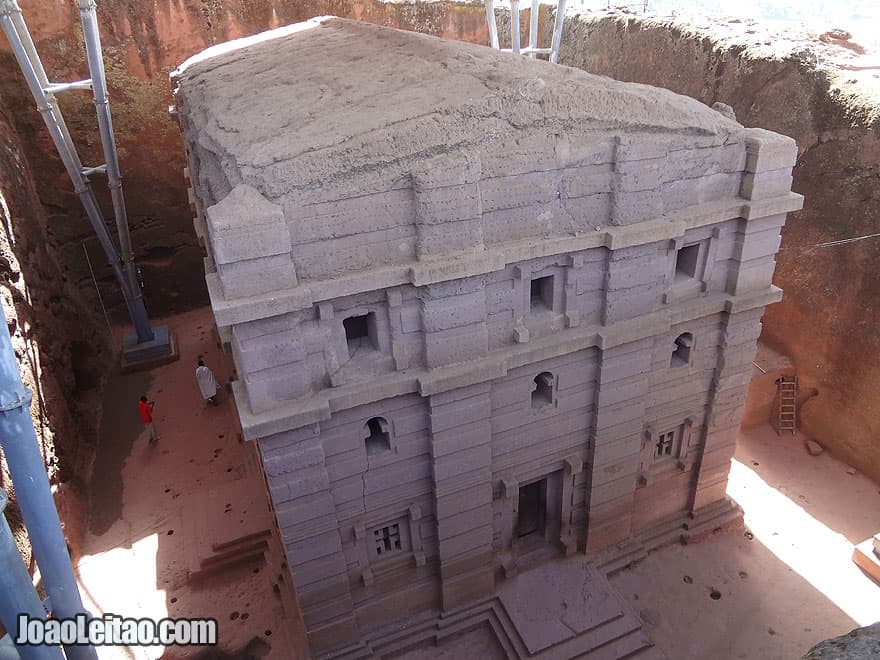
[426, 383]
[469, 264]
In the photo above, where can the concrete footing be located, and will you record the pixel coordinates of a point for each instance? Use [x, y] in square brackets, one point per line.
[149, 354]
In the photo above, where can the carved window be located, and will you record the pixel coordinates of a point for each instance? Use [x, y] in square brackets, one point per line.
[390, 545]
[378, 438]
[541, 294]
[542, 394]
[681, 354]
[360, 333]
[386, 540]
[686, 261]
[667, 445]
[662, 450]
[389, 539]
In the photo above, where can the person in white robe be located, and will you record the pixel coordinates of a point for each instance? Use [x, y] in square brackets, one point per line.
[207, 383]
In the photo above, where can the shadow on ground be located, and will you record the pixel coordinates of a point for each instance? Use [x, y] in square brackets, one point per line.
[120, 414]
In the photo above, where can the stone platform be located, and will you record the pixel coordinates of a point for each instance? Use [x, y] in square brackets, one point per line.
[558, 610]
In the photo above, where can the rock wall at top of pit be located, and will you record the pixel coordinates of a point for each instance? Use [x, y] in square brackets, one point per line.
[143, 41]
[823, 92]
[800, 86]
[58, 348]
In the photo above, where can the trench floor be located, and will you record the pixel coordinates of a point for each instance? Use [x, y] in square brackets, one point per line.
[156, 509]
[771, 589]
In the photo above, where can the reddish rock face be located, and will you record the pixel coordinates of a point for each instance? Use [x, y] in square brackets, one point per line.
[61, 351]
[142, 43]
[827, 321]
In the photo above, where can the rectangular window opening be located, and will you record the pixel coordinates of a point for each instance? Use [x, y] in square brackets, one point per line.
[360, 333]
[387, 539]
[541, 294]
[666, 445]
[686, 262]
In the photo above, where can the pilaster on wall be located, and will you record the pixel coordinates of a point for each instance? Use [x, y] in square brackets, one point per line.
[294, 463]
[635, 185]
[272, 356]
[770, 158]
[461, 449]
[262, 263]
[448, 205]
[726, 404]
[633, 282]
[621, 396]
[454, 320]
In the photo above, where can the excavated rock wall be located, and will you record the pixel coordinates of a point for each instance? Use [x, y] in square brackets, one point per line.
[820, 91]
[58, 348]
[828, 318]
[143, 42]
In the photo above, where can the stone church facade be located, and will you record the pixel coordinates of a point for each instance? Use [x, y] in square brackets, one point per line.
[478, 324]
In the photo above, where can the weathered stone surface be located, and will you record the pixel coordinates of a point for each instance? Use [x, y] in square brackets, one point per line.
[142, 41]
[629, 357]
[241, 134]
[857, 644]
[833, 112]
[813, 447]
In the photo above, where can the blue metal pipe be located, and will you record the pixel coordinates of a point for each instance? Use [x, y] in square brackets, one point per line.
[33, 495]
[17, 594]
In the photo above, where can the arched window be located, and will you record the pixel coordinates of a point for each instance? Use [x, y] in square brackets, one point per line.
[377, 439]
[542, 394]
[681, 355]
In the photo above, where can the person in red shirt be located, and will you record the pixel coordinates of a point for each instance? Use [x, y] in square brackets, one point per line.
[146, 410]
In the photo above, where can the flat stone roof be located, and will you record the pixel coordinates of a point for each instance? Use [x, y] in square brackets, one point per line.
[333, 108]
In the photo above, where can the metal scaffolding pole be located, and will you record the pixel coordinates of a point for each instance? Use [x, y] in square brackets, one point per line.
[514, 26]
[19, 443]
[532, 50]
[533, 29]
[44, 93]
[493, 26]
[114, 178]
[17, 594]
[557, 31]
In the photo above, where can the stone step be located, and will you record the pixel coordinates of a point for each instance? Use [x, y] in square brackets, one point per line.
[719, 507]
[649, 652]
[713, 518]
[589, 644]
[355, 652]
[223, 565]
[394, 639]
[620, 556]
[623, 647]
[510, 631]
[227, 528]
[234, 554]
[436, 628]
[666, 532]
[507, 635]
[243, 541]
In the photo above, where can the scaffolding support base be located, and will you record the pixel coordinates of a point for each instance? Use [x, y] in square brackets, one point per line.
[149, 354]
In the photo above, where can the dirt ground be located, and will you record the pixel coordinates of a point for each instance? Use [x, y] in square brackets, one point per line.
[782, 583]
[150, 504]
[768, 590]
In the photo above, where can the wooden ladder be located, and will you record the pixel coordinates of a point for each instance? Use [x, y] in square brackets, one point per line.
[788, 404]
